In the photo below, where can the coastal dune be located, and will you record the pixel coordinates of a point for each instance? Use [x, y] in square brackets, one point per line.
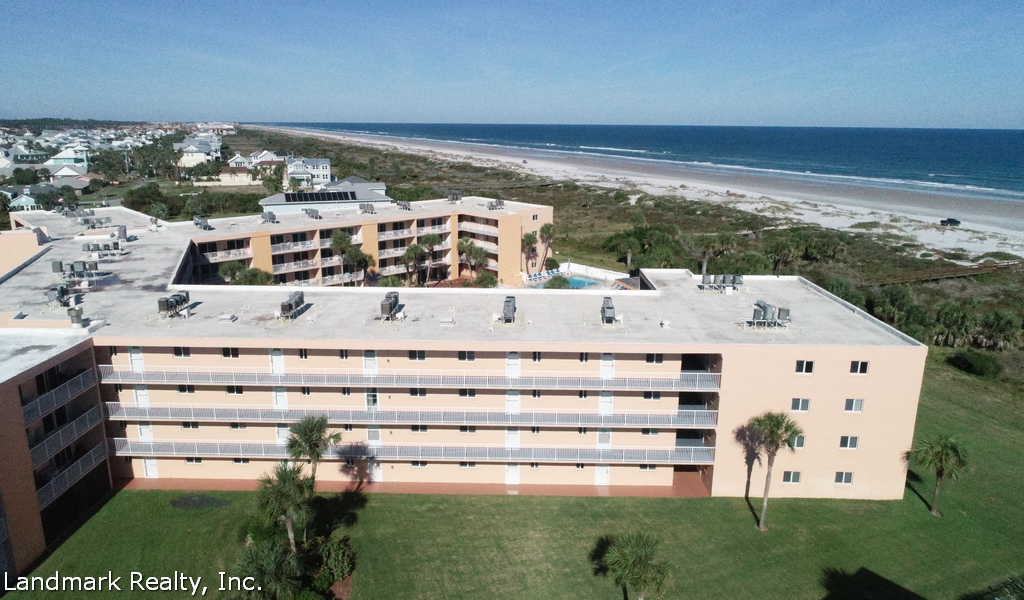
[987, 225]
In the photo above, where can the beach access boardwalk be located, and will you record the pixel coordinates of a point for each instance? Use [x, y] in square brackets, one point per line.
[945, 273]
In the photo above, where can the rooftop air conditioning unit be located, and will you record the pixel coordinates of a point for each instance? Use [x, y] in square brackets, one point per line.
[389, 305]
[508, 310]
[57, 266]
[607, 311]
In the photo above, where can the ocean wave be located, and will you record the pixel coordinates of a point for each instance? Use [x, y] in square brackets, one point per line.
[615, 149]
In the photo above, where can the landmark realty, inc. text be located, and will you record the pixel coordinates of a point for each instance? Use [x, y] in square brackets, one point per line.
[134, 581]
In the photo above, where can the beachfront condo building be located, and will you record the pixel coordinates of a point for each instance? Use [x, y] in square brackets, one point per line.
[570, 391]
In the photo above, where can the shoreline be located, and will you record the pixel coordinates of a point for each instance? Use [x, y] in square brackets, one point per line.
[988, 225]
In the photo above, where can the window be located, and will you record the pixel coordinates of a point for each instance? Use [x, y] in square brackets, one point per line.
[241, 461]
[229, 352]
[193, 460]
[418, 392]
[854, 405]
[791, 477]
[647, 467]
[303, 354]
[305, 390]
[417, 355]
[419, 464]
[655, 359]
[118, 388]
[234, 390]
[534, 465]
[844, 476]
[805, 366]
[536, 393]
[237, 426]
[579, 465]
[848, 441]
[859, 367]
[343, 354]
[535, 430]
[534, 217]
[467, 355]
[583, 394]
[467, 465]
[467, 393]
[648, 431]
[182, 352]
[582, 431]
[467, 429]
[346, 427]
[190, 425]
[800, 404]
[652, 395]
[584, 357]
[350, 462]
[797, 441]
[419, 428]
[186, 389]
[113, 350]
[346, 391]
[536, 357]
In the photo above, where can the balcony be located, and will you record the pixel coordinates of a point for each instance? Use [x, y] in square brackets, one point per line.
[59, 396]
[399, 378]
[300, 265]
[224, 255]
[295, 246]
[488, 246]
[331, 261]
[343, 278]
[65, 436]
[68, 477]
[439, 416]
[700, 455]
[434, 229]
[393, 235]
[354, 239]
[390, 253]
[393, 270]
[478, 228]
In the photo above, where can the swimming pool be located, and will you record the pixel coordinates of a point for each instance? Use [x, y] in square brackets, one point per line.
[578, 282]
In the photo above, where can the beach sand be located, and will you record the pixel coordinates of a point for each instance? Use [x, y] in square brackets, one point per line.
[987, 225]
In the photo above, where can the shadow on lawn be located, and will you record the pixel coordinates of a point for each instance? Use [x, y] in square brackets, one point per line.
[333, 511]
[863, 584]
[913, 478]
[751, 442]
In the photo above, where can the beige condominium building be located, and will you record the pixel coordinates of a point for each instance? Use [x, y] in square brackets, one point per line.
[613, 389]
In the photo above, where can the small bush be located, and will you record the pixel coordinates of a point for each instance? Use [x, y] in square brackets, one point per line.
[486, 280]
[866, 225]
[977, 363]
[557, 282]
[551, 263]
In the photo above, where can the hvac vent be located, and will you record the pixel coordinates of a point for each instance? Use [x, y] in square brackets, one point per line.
[769, 315]
[404, 205]
[201, 222]
[312, 213]
[292, 307]
[607, 311]
[508, 310]
[389, 306]
[173, 305]
[368, 208]
[57, 266]
[58, 295]
[268, 217]
[496, 205]
[454, 198]
[75, 313]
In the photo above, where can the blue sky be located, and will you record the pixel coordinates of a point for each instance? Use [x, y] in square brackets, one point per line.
[942, 63]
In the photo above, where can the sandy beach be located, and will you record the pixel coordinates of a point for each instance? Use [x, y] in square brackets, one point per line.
[987, 225]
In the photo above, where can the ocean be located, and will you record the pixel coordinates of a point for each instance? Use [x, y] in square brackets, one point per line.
[972, 163]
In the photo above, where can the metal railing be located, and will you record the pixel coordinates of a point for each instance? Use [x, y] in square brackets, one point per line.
[568, 454]
[298, 265]
[58, 396]
[488, 246]
[393, 270]
[331, 260]
[353, 239]
[397, 233]
[478, 228]
[397, 378]
[69, 476]
[291, 246]
[343, 278]
[228, 254]
[437, 416]
[434, 229]
[391, 252]
[65, 436]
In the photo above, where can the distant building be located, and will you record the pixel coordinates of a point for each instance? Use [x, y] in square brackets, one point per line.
[310, 172]
[198, 148]
[77, 157]
[346, 193]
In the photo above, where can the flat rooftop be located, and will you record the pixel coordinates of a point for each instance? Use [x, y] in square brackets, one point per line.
[124, 296]
[22, 349]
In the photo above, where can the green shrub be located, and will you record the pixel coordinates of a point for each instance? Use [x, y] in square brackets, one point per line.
[551, 263]
[977, 363]
[557, 283]
[311, 595]
[338, 560]
[486, 280]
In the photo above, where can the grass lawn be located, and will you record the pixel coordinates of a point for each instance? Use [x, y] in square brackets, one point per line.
[456, 547]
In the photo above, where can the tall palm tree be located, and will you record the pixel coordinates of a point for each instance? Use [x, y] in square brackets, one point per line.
[275, 571]
[429, 242]
[946, 456]
[775, 430]
[360, 260]
[631, 563]
[477, 257]
[340, 242]
[311, 440]
[284, 496]
[625, 244]
[529, 248]
[712, 246]
[547, 236]
[411, 258]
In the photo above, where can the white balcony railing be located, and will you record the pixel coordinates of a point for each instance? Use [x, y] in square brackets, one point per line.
[393, 270]
[343, 278]
[299, 265]
[434, 229]
[488, 246]
[390, 253]
[400, 378]
[436, 416]
[478, 228]
[68, 477]
[331, 261]
[292, 246]
[59, 396]
[65, 436]
[568, 454]
[353, 239]
[228, 255]
[395, 234]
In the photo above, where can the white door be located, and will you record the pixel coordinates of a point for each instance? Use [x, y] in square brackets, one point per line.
[511, 437]
[145, 431]
[149, 468]
[369, 362]
[280, 398]
[602, 475]
[606, 402]
[607, 365]
[511, 473]
[373, 436]
[141, 396]
[604, 439]
[283, 433]
[376, 470]
[135, 359]
[512, 402]
[512, 364]
[276, 361]
[371, 398]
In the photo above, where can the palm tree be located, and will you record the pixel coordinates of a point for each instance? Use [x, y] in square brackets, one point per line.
[477, 257]
[411, 258]
[340, 242]
[547, 236]
[775, 431]
[955, 324]
[945, 456]
[360, 260]
[429, 242]
[624, 244]
[712, 246]
[275, 571]
[631, 563]
[463, 247]
[310, 440]
[782, 252]
[529, 248]
[284, 496]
